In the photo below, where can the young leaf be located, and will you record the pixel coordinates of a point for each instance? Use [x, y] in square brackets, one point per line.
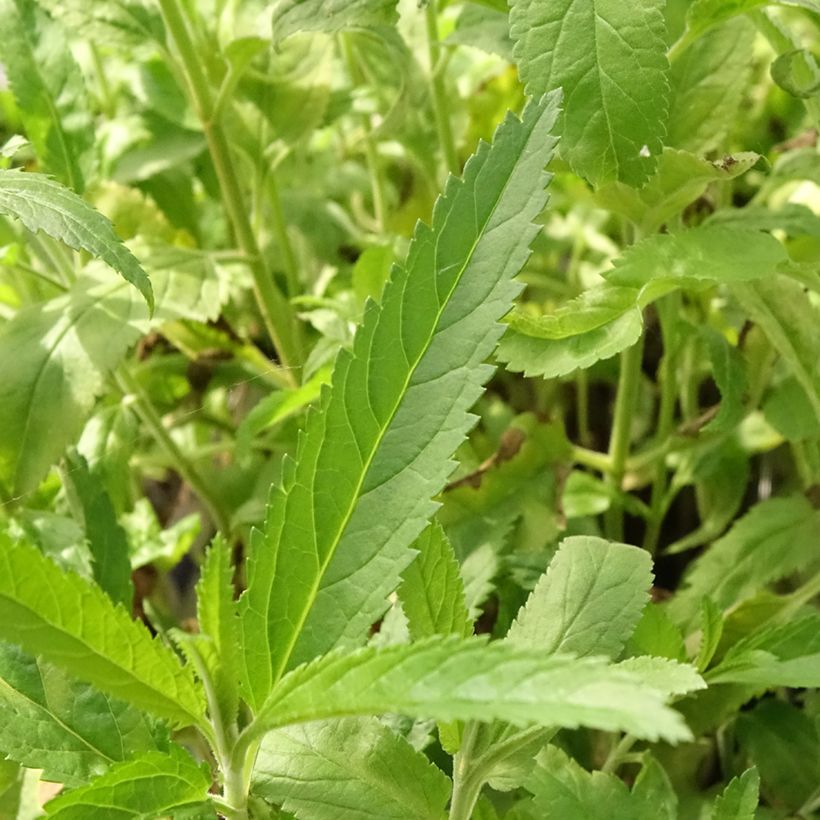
[468, 679]
[792, 323]
[55, 355]
[679, 179]
[107, 541]
[588, 601]
[739, 799]
[336, 537]
[154, 784]
[711, 631]
[218, 623]
[354, 767]
[48, 87]
[330, 16]
[432, 592]
[42, 204]
[71, 731]
[709, 81]
[73, 624]
[730, 377]
[771, 541]
[610, 57]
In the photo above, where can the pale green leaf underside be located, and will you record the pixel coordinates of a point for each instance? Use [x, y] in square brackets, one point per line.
[55, 356]
[42, 204]
[152, 785]
[610, 59]
[353, 767]
[66, 728]
[378, 450]
[329, 16]
[589, 600]
[432, 591]
[774, 539]
[468, 679]
[72, 623]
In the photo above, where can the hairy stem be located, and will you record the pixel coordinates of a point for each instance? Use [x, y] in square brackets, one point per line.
[628, 383]
[277, 314]
[439, 92]
[466, 782]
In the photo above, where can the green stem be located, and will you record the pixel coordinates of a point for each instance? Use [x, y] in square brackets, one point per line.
[466, 783]
[149, 416]
[277, 314]
[439, 92]
[618, 753]
[371, 156]
[628, 383]
[280, 231]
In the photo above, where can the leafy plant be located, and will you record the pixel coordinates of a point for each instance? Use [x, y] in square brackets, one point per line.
[321, 493]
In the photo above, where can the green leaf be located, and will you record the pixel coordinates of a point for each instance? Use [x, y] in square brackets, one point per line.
[798, 73]
[707, 253]
[354, 767]
[709, 81]
[793, 218]
[18, 792]
[152, 785]
[358, 494]
[775, 538]
[610, 58]
[679, 179]
[792, 323]
[711, 631]
[788, 409]
[55, 356]
[72, 623]
[49, 90]
[431, 591]
[106, 538]
[562, 788]
[729, 374]
[468, 679]
[71, 731]
[218, 624]
[551, 358]
[739, 799]
[780, 655]
[656, 634]
[483, 28]
[330, 16]
[784, 743]
[588, 601]
[42, 204]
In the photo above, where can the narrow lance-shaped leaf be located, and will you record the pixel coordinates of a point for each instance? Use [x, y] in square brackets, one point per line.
[48, 87]
[155, 784]
[354, 767]
[42, 204]
[377, 451]
[73, 624]
[63, 726]
[610, 59]
[468, 679]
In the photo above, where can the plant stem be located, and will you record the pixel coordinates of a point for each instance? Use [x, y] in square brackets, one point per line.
[439, 92]
[280, 231]
[149, 416]
[618, 753]
[371, 155]
[466, 785]
[277, 313]
[628, 383]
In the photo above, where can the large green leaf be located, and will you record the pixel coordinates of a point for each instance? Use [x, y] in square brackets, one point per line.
[792, 322]
[610, 59]
[155, 784]
[329, 16]
[432, 592]
[588, 601]
[708, 85]
[469, 679]
[55, 356]
[71, 731]
[72, 623]
[378, 450]
[354, 767]
[49, 89]
[42, 204]
[771, 541]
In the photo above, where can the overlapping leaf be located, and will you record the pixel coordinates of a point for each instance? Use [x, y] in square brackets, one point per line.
[378, 450]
